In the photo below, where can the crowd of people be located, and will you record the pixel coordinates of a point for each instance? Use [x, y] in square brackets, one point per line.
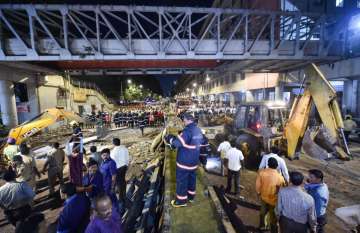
[287, 199]
[128, 117]
[95, 193]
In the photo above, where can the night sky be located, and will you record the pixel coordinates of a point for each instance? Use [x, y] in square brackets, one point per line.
[167, 84]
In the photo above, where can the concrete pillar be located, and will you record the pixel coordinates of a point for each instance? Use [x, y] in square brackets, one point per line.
[356, 99]
[8, 103]
[249, 96]
[279, 91]
[232, 99]
[349, 96]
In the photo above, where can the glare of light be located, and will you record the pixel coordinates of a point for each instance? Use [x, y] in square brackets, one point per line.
[141, 86]
[187, 89]
[354, 23]
[207, 79]
[175, 82]
[194, 84]
[23, 80]
[129, 81]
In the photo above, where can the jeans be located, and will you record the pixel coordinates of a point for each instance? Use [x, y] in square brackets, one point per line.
[236, 176]
[270, 209]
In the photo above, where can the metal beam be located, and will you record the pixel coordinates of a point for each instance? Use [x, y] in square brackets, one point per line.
[86, 40]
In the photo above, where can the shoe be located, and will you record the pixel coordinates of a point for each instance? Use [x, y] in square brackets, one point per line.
[191, 200]
[176, 205]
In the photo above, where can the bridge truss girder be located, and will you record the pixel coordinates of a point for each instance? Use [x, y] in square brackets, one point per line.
[89, 32]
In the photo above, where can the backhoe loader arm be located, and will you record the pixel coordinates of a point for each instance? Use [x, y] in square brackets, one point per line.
[318, 91]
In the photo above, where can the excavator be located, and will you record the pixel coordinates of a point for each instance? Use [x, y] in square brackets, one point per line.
[258, 126]
[46, 119]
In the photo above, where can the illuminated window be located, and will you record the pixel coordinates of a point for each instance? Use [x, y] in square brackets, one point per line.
[340, 3]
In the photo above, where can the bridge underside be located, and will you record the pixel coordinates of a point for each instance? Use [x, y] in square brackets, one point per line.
[117, 40]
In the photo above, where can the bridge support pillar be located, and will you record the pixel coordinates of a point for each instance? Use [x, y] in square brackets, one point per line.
[8, 104]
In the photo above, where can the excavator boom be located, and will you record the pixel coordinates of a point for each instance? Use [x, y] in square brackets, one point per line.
[318, 91]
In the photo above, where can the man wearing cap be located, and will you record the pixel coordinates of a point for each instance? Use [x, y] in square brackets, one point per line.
[187, 159]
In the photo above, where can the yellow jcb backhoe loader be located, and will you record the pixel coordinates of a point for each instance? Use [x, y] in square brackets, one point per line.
[29, 128]
[259, 125]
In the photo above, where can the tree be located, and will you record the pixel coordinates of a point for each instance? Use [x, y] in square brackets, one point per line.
[134, 92]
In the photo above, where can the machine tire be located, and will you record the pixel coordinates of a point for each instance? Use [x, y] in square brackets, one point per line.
[252, 159]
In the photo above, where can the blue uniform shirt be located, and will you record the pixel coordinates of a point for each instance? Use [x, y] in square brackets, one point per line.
[113, 225]
[96, 180]
[188, 145]
[320, 193]
[74, 214]
[108, 169]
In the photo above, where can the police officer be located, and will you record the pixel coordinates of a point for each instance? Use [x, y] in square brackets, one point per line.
[187, 159]
[142, 123]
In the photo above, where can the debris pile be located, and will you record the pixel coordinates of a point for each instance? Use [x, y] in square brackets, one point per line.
[141, 157]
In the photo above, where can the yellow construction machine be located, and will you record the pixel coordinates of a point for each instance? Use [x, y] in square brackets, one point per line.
[48, 118]
[259, 125]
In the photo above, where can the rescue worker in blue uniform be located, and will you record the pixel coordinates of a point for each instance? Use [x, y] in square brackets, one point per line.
[187, 159]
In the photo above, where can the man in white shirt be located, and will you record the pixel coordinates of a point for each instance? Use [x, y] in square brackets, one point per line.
[223, 148]
[120, 155]
[234, 157]
[282, 169]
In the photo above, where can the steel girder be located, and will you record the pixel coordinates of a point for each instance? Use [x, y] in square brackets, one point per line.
[106, 32]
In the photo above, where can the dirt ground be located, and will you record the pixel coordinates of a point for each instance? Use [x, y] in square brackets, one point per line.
[51, 208]
[342, 178]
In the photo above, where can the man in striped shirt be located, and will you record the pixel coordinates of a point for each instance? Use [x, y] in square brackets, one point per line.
[295, 208]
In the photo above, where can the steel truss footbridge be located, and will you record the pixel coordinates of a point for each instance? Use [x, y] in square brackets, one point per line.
[176, 39]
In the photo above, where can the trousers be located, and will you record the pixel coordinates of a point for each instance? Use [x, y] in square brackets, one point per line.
[288, 225]
[121, 182]
[236, 176]
[267, 208]
[185, 184]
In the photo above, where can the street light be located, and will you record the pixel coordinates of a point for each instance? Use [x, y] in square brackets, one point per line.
[187, 89]
[129, 81]
[207, 78]
[194, 84]
[141, 86]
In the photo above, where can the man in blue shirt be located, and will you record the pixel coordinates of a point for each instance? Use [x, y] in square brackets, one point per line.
[93, 180]
[75, 215]
[106, 219]
[108, 171]
[187, 159]
[319, 191]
